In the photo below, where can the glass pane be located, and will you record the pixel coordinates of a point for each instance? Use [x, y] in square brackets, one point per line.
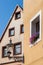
[18, 15]
[12, 32]
[37, 27]
[22, 28]
[17, 46]
[5, 52]
[17, 50]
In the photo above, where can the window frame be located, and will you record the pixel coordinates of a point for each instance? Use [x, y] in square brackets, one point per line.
[10, 31]
[22, 25]
[14, 53]
[38, 14]
[3, 56]
[16, 15]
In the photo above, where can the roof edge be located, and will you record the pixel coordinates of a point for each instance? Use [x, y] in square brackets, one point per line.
[9, 21]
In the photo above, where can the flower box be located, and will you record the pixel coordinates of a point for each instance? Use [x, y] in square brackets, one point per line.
[34, 37]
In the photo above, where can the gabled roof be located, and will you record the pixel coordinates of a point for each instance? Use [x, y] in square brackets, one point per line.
[9, 22]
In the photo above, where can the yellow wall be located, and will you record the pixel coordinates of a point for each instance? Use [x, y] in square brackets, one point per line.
[33, 55]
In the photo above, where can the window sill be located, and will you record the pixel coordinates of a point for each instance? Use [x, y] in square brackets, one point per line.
[31, 45]
[17, 18]
[11, 35]
[4, 56]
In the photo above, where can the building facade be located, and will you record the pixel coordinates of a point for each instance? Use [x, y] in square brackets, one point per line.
[33, 28]
[11, 42]
[22, 40]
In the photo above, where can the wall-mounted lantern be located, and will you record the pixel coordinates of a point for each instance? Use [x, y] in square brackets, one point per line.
[8, 46]
[16, 58]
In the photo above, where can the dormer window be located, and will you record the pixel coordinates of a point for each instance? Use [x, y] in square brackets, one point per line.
[35, 29]
[11, 32]
[17, 15]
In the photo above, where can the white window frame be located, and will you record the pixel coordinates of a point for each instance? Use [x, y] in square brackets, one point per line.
[39, 13]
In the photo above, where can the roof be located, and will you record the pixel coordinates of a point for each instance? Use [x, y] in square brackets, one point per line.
[9, 22]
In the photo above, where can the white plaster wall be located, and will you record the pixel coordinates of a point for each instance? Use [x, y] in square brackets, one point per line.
[17, 38]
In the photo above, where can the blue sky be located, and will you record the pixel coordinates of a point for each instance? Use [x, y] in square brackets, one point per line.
[6, 10]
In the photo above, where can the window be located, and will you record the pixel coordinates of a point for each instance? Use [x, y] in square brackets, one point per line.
[17, 48]
[11, 32]
[35, 29]
[22, 28]
[17, 15]
[4, 52]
